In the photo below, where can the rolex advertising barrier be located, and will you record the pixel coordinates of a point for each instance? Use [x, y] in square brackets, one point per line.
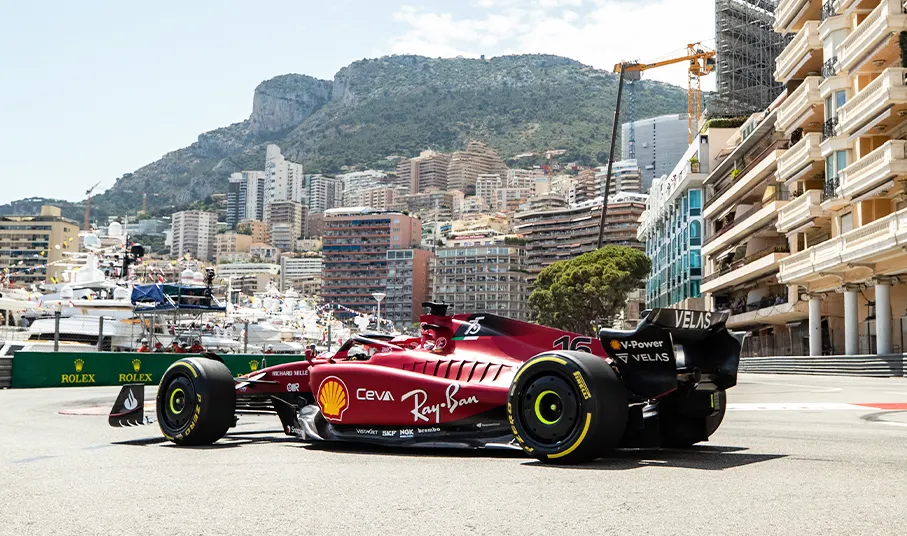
[77, 369]
[878, 366]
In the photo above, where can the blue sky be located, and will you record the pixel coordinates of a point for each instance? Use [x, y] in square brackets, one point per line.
[95, 89]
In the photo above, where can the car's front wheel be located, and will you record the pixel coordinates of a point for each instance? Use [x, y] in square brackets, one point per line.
[567, 407]
[196, 401]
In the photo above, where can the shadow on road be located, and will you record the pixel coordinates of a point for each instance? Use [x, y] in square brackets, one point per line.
[230, 441]
[440, 452]
[707, 458]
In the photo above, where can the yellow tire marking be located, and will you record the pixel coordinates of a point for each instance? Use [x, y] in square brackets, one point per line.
[539, 360]
[579, 441]
[184, 364]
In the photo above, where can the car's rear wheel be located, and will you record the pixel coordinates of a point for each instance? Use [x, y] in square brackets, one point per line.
[567, 407]
[196, 401]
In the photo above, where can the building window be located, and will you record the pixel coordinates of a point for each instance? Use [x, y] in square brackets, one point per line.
[695, 202]
[834, 163]
[695, 233]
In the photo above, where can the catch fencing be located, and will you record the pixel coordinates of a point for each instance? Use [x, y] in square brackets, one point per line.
[873, 366]
[6, 372]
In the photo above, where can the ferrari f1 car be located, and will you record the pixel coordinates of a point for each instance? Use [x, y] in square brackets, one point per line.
[473, 380]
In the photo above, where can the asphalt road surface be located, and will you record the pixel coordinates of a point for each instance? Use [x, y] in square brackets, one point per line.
[795, 455]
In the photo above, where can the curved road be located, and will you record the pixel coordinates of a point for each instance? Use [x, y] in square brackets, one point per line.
[795, 455]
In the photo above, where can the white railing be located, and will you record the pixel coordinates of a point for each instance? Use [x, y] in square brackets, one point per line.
[799, 211]
[874, 168]
[785, 12]
[874, 97]
[791, 57]
[793, 108]
[888, 17]
[804, 152]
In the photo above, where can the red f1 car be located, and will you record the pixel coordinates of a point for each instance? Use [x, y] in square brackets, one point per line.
[473, 380]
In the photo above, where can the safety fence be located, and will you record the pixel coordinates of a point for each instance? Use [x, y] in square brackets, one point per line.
[81, 369]
[879, 366]
[6, 372]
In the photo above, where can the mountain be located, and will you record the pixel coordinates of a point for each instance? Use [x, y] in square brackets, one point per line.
[399, 105]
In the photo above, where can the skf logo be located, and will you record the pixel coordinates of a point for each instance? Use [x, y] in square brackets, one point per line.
[615, 345]
[78, 377]
[253, 365]
[333, 398]
[136, 365]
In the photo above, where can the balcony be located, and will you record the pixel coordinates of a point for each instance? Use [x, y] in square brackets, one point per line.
[875, 169]
[887, 95]
[801, 56]
[801, 107]
[800, 158]
[766, 312]
[874, 39]
[800, 211]
[791, 15]
[871, 243]
[746, 224]
[761, 167]
[754, 266]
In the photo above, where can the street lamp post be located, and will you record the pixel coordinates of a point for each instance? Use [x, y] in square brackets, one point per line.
[379, 296]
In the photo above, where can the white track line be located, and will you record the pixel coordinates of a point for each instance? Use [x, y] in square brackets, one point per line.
[794, 406]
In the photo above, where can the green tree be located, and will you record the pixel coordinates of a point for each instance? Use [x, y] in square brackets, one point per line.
[575, 294]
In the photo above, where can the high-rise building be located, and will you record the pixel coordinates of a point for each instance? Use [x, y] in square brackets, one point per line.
[30, 246]
[426, 172]
[625, 178]
[246, 194]
[747, 47]
[301, 273]
[355, 246]
[258, 230]
[430, 206]
[561, 234]
[286, 219]
[322, 193]
[466, 166]
[510, 199]
[380, 198]
[585, 186]
[285, 180]
[359, 181]
[229, 243]
[193, 232]
[480, 271]
[487, 185]
[407, 285]
[660, 142]
[672, 226]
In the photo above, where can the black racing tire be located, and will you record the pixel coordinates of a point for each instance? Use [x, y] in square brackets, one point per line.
[683, 431]
[567, 407]
[196, 401]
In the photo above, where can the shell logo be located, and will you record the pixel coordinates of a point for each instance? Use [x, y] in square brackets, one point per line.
[615, 345]
[333, 398]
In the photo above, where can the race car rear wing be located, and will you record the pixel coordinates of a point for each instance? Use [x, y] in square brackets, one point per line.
[647, 357]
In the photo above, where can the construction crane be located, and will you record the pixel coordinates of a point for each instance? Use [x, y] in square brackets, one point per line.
[702, 62]
[88, 204]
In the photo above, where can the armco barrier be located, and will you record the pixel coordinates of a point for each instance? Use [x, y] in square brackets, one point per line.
[6, 372]
[75, 369]
[879, 366]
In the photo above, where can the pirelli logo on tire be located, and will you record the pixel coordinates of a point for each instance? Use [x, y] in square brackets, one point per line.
[583, 388]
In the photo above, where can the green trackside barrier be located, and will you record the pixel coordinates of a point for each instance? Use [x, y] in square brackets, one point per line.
[80, 369]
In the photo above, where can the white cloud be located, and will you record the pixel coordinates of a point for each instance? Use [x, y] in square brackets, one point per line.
[600, 33]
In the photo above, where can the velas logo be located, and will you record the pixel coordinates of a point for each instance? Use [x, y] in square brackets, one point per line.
[78, 377]
[253, 365]
[135, 377]
[615, 345]
[333, 398]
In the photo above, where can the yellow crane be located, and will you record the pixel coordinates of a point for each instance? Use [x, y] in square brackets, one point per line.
[701, 62]
[88, 206]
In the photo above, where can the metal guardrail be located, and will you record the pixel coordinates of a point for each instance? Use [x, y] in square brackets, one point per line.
[870, 366]
[6, 372]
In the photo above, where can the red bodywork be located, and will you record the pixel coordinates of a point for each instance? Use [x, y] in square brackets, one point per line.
[461, 367]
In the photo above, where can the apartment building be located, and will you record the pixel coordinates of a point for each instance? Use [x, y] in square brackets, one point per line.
[322, 193]
[301, 273]
[250, 278]
[30, 245]
[358, 181]
[672, 226]
[408, 280]
[848, 170]
[625, 177]
[480, 271]
[510, 199]
[380, 198]
[430, 206]
[426, 172]
[355, 246]
[285, 180]
[246, 193]
[466, 166]
[287, 219]
[660, 142]
[229, 243]
[193, 232]
[283, 236]
[559, 234]
[258, 230]
[487, 185]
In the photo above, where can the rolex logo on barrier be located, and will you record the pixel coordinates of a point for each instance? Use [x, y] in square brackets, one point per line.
[79, 377]
[135, 377]
[253, 365]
